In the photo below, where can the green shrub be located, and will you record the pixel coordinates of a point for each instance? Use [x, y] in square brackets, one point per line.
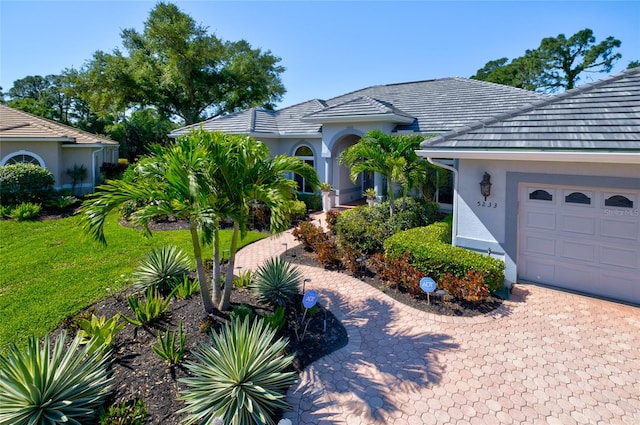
[25, 211]
[149, 310]
[433, 256]
[298, 210]
[132, 412]
[25, 183]
[312, 202]
[363, 228]
[47, 385]
[366, 228]
[160, 268]
[276, 282]
[240, 377]
[167, 349]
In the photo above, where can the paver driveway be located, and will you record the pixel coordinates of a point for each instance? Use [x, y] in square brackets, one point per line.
[545, 357]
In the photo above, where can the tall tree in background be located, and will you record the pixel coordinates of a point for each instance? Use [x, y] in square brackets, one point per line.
[175, 66]
[556, 64]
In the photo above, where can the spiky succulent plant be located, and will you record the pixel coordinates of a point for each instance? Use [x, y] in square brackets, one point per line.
[240, 377]
[45, 385]
[276, 282]
[160, 268]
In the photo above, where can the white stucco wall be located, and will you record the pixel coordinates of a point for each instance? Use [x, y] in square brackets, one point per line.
[481, 224]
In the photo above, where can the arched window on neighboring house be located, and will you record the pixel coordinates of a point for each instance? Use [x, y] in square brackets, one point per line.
[306, 154]
[23, 157]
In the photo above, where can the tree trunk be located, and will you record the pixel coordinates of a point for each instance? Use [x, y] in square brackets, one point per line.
[228, 284]
[216, 280]
[392, 207]
[204, 286]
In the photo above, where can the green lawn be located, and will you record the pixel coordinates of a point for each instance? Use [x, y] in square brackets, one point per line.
[50, 269]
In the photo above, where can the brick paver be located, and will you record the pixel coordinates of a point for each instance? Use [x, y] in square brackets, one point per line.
[546, 357]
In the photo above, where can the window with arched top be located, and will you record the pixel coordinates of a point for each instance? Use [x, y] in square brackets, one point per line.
[305, 154]
[577, 198]
[541, 195]
[618, 201]
[23, 159]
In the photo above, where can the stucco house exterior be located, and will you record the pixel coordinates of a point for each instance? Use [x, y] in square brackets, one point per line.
[57, 147]
[317, 131]
[564, 202]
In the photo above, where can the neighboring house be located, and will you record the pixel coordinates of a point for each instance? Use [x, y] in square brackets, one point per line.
[317, 131]
[57, 147]
[564, 204]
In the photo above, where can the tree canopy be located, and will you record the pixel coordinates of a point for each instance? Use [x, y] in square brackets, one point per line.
[556, 64]
[177, 67]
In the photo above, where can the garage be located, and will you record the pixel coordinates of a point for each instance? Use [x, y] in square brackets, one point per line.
[584, 239]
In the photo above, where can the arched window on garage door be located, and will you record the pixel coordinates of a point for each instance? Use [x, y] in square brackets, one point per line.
[306, 154]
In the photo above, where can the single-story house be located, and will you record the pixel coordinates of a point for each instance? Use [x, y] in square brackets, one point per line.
[317, 131]
[54, 146]
[554, 188]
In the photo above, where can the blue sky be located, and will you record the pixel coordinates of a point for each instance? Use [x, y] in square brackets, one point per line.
[328, 48]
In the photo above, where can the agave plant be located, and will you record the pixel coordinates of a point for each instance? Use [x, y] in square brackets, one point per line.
[276, 282]
[240, 377]
[160, 269]
[43, 385]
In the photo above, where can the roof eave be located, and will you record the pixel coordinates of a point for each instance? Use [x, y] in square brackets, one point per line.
[37, 139]
[610, 156]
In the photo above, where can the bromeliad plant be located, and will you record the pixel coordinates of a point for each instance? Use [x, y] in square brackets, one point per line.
[240, 377]
[46, 386]
[276, 282]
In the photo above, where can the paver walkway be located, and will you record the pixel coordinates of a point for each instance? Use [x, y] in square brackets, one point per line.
[545, 357]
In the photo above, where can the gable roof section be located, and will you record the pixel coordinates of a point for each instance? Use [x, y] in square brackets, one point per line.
[19, 126]
[603, 115]
[430, 106]
[358, 109]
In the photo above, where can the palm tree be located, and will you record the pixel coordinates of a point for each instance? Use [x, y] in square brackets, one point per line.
[384, 154]
[244, 173]
[173, 180]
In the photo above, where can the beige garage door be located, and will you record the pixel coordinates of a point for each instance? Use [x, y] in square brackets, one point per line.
[583, 239]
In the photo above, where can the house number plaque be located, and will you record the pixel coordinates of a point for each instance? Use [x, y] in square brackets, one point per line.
[486, 204]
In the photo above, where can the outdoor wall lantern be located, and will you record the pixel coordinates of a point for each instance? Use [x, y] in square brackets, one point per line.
[485, 185]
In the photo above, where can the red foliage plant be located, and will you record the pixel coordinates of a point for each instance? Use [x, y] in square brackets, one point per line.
[309, 235]
[470, 288]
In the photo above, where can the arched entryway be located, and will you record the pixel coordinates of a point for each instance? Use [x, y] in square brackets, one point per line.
[347, 191]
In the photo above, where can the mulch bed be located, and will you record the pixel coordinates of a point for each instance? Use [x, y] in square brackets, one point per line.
[446, 305]
[139, 373]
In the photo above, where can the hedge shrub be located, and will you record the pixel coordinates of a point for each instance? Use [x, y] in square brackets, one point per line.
[365, 228]
[23, 182]
[312, 201]
[431, 254]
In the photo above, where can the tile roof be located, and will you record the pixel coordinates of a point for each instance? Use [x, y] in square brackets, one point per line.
[436, 105]
[604, 114]
[18, 125]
